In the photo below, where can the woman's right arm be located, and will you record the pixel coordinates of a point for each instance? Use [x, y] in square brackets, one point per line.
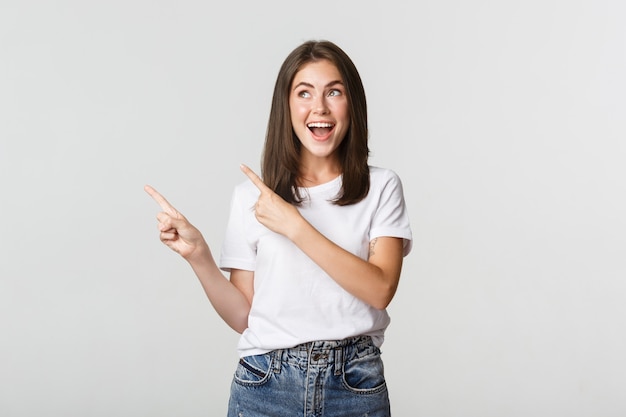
[230, 298]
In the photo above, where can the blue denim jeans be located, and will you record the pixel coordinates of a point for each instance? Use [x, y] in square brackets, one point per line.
[342, 378]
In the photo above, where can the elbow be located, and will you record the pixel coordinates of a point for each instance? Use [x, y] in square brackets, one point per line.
[239, 330]
[380, 305]
[237, 322]
[383, 297]
[239, 327]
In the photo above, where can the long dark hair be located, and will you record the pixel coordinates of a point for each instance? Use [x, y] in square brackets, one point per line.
[281, 154]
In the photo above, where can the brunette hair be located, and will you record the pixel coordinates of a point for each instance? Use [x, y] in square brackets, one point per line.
[281, 153]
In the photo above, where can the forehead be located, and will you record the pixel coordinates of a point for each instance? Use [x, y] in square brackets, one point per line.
[315, 72]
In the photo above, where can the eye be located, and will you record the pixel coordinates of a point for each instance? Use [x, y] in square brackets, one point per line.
[304, 94]
[334, 93]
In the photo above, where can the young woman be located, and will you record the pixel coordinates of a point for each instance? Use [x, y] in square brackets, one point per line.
[314, 251]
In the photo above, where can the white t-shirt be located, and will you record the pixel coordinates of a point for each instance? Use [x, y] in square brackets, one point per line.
[295, 301]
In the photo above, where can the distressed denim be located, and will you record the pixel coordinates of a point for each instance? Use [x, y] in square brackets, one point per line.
[319, 379]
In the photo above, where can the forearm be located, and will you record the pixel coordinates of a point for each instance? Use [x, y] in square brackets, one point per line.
[231, 305]
[365, 280]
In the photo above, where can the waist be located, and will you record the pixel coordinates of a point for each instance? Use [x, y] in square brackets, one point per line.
[326, 352]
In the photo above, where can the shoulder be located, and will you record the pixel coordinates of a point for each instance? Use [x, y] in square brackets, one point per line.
[381, 176]
[245, 192]
[246, 187]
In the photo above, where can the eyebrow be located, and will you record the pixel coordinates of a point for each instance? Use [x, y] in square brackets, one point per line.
[330, 84]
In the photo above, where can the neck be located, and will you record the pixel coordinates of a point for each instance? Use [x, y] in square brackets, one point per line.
[316, 174]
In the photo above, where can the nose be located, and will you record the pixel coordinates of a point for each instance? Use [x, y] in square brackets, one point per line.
[320, 106]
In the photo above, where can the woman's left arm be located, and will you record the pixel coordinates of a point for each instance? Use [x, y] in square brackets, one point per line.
[374, 281]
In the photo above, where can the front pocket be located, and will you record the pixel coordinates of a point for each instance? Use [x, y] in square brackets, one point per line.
[365, 375]
[254, 370]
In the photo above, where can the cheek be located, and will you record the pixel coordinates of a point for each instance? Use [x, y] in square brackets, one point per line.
[345, 120]
[297, 112]
[341, 111]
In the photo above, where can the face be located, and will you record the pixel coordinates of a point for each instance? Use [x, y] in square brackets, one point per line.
[319, 110]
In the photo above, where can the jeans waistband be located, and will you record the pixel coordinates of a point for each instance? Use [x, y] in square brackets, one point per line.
[323, 352]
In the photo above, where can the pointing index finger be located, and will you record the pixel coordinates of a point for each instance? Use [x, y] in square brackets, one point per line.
[161, 201]
[256, 180]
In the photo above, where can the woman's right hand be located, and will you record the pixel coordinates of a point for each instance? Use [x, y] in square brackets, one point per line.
[176, 231]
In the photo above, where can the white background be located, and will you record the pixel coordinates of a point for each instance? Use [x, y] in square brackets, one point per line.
[505, 120]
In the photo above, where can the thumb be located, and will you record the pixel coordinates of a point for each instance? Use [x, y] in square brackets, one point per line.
[169, 221]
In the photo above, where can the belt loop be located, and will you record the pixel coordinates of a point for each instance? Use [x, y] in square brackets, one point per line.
[277, 359]
[339, 360]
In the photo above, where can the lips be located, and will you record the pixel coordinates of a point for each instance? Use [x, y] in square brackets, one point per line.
[320, 129]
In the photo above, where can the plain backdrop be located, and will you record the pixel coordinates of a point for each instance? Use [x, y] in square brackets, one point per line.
[504, 119]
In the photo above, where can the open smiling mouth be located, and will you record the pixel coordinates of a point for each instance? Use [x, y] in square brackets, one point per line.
[320, 129]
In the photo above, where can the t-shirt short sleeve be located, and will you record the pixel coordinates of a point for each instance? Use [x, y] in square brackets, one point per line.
[391, 217]
[237, 251]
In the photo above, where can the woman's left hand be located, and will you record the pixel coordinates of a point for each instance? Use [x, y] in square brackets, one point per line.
[271, 210]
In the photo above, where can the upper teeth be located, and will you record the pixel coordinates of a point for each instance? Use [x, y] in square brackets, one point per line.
[320, 124]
